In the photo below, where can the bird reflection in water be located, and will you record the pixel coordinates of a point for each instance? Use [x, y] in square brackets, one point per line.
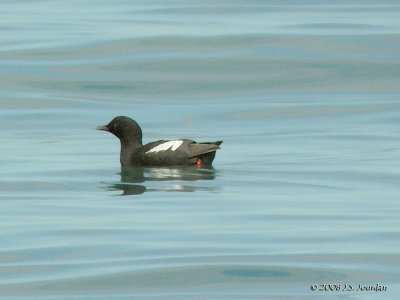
[176, 179]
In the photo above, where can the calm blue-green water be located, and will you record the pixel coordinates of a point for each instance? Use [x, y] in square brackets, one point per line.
[305, 190]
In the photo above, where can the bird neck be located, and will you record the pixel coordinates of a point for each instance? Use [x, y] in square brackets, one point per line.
[127, 152]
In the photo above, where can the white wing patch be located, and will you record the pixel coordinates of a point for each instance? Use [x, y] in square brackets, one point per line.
[170, 145]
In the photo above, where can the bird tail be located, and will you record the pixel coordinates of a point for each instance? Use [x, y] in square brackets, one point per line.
[218, 143]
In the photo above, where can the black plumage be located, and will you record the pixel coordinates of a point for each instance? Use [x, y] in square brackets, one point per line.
[159, 153]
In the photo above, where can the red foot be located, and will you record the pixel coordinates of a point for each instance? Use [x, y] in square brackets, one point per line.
[199, 163]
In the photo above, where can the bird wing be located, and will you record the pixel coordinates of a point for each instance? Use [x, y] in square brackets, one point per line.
[194, 149]
[174, 152]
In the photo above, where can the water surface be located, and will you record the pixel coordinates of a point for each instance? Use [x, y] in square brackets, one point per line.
[305, 188]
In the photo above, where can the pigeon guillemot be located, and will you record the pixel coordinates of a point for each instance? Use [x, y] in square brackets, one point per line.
[159, 153]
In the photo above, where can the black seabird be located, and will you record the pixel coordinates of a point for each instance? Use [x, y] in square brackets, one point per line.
[159, 153]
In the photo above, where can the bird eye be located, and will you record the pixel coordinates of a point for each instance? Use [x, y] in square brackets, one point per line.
[115, 124]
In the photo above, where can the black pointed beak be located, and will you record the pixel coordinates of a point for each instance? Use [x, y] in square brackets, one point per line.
[103, 127]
